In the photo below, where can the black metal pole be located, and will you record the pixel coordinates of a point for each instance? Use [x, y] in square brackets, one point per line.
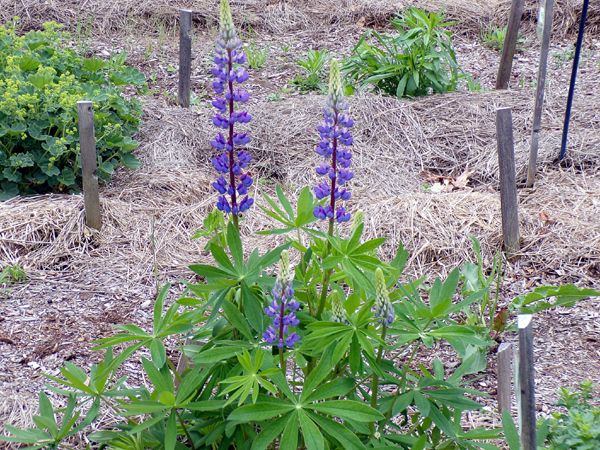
[563, 146]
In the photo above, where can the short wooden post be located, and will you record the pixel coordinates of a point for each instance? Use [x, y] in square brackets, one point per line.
[539, 97]
[508, 184]
[89, 165]
[526, 383]
[510, 44]
[185, 57]
[504, 357]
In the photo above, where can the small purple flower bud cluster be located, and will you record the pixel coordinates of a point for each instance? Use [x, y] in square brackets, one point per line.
[335, 139]
[233, 183]
[282, 309]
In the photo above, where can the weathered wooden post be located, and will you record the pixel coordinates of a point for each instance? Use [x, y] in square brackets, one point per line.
[526, 383]
[89, 165]
[510, 44]
[185, 57]
[547, 6]
[504, 374]
[508, 184]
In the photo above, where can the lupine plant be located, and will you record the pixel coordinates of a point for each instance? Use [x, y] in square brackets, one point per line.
[319, 353]
[233, 183]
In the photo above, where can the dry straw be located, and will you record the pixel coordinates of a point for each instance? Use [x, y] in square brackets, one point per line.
[150, 214]
[286, 15]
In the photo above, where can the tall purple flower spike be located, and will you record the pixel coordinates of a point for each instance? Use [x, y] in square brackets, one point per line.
[335, 140]
[283, 308]
[233, 183]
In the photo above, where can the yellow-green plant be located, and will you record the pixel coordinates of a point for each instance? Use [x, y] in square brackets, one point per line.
[41, 80]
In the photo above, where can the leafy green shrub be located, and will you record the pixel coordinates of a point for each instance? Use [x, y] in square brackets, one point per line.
[579, 427]
[313, 75]
[257, 57]
[494, 38]
[417, 60]
[41, 80]
[12, 273]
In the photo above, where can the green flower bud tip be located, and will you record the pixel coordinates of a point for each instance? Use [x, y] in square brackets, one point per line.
[284, 266]
[336, 90]
[338, 312]
[383, 308]
[226, 18]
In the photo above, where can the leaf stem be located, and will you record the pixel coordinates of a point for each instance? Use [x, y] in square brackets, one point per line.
[185, 430]
[375, 381]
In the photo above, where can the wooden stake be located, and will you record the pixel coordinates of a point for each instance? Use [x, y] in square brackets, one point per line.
[539, 97]
[185, 57]
[89, 165]
[526, 383]
[510, 44]
[508, 185]
[504, 374]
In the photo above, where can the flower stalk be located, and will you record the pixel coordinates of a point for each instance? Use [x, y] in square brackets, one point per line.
[282, 311]
[335, 137]
[233, 183]
[383, 311]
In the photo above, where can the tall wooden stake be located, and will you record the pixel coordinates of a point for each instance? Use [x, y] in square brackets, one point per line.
[504, 376]
[508, 185]
[539, 97]
[89, 165]
[510, 44]
[526, 383]
[185, 57]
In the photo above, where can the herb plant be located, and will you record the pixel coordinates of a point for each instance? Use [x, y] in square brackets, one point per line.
[257, 57]
[41, 80]
[416, 60]
[313, 76]
[579, 427]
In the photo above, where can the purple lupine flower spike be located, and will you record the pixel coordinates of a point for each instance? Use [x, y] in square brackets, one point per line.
[335, 140]
[283, 308]
[232, 159]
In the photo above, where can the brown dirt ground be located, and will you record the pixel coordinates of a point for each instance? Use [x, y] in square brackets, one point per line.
[82, 283]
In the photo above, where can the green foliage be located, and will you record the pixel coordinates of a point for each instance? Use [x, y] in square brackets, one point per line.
[547, 297]
[41, 80]
[494, 38]
[257, 57]
[12, 274]
[417, 60]
[579, 427]
[313, 76]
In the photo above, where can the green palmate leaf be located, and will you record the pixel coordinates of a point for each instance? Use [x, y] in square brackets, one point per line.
[546, 297]
[510, 432]
[268, 434]
[289, 438]
[313, 438]
[347, 439]
[347, 409]
[235, 245]
[171, 432]
[263, 410]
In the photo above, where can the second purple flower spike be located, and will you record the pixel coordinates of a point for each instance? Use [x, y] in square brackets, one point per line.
[335, 140]
[233, 183]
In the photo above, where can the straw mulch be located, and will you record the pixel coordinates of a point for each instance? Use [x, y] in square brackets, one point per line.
[150, 214]
[566, 16]
[286, 15]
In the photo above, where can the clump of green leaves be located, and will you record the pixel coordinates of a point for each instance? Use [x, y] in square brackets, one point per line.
[494, 38]
[12, 274]
[417, 60]
[257, 56]
[41, 80]
[313, 76]
[579, 427]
